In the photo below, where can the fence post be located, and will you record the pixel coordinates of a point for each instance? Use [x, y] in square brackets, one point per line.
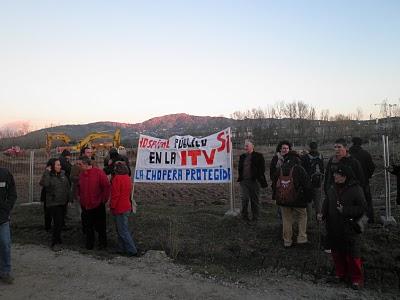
[388, 218]
[31, 172]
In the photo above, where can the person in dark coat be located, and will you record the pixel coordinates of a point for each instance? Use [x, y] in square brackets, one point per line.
[294, 210]
[251, 175]
[345, 203]
[368, 168]
[65, 163]
[313, 163]
[66, 166]
[58, 193]
[395, 170]
[282, 149]
[8, 197]
[46, 212]
[111, 159]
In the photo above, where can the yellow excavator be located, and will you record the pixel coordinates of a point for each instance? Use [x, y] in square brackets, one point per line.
[116, 140]
[58, 136]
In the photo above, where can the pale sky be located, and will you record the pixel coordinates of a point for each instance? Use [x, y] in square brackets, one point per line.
[71, 62]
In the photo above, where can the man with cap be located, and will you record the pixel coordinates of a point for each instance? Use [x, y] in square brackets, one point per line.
[368, 168]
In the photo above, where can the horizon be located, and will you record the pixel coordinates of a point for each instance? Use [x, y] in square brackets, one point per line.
[75, 62]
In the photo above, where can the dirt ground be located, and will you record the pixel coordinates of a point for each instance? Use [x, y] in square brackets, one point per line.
[208, 256]
[43, 274]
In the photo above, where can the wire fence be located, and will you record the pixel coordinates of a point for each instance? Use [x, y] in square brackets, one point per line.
[29, 167]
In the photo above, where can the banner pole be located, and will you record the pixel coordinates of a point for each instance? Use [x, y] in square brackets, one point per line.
[231, 166]
[232, 211]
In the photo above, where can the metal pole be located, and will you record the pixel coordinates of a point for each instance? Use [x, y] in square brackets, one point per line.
[232, 211]
[31, 160]
[231, 166]
[388, 177]
[385, 171]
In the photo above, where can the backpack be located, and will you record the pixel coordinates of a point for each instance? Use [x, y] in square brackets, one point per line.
[314, 171]
[285, 189]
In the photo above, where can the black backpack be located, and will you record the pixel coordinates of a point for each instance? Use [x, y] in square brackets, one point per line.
[315, 171]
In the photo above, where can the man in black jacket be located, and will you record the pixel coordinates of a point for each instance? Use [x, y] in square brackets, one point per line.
[368, 167]
[251, 174]
[342, 156]
[8, 196]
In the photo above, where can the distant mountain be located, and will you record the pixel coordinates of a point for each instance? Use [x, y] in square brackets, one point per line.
[264, 131]
[164, 126]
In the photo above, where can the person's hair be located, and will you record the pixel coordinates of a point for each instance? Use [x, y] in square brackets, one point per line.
[281, 143]
[121, 168]
[341, 141]
[65, 153]
[357, 141]
[86, 160]
[248, 141]
[313, 145]
[83, 149]
[51, 163]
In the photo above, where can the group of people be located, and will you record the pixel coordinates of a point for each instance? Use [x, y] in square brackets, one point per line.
[90, 189]
[338, 191]
[301, 181]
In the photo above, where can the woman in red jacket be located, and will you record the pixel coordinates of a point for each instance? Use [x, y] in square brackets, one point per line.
[121, 207]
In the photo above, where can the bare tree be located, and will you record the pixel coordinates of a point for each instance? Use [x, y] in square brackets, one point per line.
[324, 115]
[312, 113]
[359, 114]
[290, 110]
[302, 110]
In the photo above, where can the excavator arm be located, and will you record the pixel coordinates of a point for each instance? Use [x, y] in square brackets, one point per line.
[116, 137]
[50, 136]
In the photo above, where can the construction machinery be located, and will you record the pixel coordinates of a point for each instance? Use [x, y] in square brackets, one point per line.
[116, 140]
[14, 151]
[58, 136]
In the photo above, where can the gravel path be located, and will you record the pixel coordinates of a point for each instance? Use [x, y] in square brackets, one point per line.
[43, 274]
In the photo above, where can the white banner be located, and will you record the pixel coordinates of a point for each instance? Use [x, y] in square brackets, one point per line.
[184, 159]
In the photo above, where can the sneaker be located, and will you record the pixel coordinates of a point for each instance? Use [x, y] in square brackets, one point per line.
[335, 279]
[329, 251]
[56, 247]
[355, 286]
[8, 279]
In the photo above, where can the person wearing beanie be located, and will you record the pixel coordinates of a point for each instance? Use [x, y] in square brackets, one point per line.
[344, 204]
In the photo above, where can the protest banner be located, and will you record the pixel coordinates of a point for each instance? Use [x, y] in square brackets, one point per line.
[185, 159]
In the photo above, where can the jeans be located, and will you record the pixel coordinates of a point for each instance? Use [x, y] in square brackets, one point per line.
[125, 241]
[5, 249]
